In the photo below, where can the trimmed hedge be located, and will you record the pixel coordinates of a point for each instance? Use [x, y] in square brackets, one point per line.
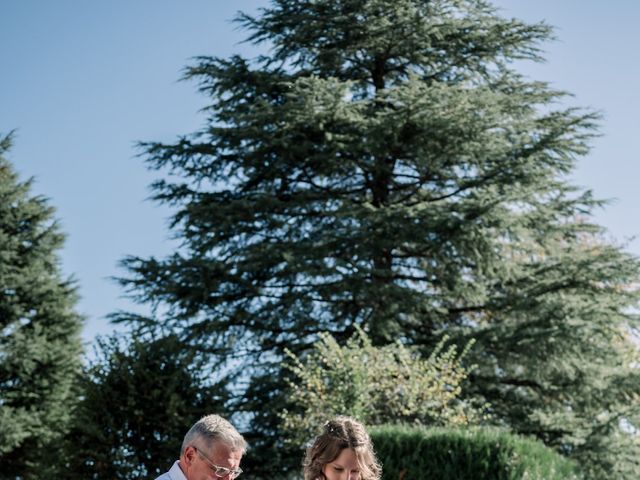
[418, 453]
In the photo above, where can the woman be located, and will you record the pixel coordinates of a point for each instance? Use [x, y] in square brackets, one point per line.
[343, 451]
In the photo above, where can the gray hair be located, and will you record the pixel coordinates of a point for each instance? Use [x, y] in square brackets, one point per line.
[214, 428]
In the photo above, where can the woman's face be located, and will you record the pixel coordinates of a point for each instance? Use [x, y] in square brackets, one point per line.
[343, 467]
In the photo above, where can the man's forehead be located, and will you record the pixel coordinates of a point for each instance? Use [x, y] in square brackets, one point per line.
[223, 450]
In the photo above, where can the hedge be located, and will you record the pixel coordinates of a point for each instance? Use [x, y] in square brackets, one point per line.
[419, 453]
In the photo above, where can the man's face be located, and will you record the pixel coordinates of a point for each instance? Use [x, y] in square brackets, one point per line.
[195, 467]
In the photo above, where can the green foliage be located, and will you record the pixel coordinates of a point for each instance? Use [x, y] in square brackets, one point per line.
[376, 385]
[414, 453]
[139, 399]
[385, 167]
[39, 332]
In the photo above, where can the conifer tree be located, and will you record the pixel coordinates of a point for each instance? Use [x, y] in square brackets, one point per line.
[40, 332]
[385, 166]
[149, 392]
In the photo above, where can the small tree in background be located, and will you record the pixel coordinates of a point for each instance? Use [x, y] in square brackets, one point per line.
[39, 332]
[376, 385]
[139, 399]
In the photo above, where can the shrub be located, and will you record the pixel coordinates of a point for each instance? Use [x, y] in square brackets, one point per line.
[376, 385]
[418, 453]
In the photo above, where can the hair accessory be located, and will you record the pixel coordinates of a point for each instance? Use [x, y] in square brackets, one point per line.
[330, 428]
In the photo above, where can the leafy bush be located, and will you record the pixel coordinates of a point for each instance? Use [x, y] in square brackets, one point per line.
[376, 385]
[417, 453]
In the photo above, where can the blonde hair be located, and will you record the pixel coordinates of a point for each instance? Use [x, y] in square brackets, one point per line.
[337, 434]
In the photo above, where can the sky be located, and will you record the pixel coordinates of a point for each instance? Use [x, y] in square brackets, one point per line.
[82, 82]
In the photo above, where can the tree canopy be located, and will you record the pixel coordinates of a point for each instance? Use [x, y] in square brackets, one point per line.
[385, 166]
[150, 391]
[39, 331]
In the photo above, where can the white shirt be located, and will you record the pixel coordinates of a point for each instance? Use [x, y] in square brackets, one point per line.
[173, 474]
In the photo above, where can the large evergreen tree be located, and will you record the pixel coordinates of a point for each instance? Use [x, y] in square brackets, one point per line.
[40, 332]
[385, 166]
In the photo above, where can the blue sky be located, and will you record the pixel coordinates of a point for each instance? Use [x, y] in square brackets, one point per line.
[83, 81]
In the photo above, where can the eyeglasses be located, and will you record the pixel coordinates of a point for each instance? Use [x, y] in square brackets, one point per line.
[219, 472]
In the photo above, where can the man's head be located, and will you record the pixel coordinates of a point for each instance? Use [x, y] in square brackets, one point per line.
[212, 448]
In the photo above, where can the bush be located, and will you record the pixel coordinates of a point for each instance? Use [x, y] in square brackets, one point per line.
[376, 385]
[417, 453]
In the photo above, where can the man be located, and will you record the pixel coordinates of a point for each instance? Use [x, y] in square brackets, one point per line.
[212, 448]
